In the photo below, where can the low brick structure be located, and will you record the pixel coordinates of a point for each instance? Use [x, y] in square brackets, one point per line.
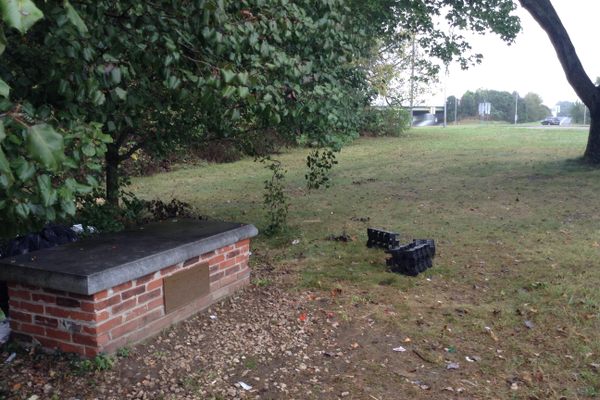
[140, 304]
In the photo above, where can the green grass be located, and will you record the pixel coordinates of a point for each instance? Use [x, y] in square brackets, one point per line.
[515, 216]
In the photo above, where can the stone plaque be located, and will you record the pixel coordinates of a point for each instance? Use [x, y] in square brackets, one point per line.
[186, 286]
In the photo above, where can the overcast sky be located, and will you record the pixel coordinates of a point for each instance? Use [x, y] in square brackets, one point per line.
[530, 64]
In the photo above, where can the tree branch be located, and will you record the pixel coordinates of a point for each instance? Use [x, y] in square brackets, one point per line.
[129, 153]
[547, 17]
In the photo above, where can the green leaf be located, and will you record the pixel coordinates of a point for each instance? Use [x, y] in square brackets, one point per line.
[91, 180]
[242, 78]
[49, 195]
[227, 75]
[70, 163]
[228, 91]
[89, 150]
[20, 14]
[98, 98]
[50, 214]
[22, 210]
[2, 40]
[74, 186]
[243, 92]
[45, 145]
[24, 169]
[68, 206]
[4, 165]
[2, 132]
[121, 94]
[115, 75]
[4, 89]
[173, 82]
[74, 18]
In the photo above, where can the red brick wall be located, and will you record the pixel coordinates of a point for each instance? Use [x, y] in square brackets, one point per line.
[121, 315]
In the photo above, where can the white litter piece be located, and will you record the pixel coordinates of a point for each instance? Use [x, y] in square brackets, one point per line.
[10, 358]
[4, 331]
[400, 349]
[244, 385]
[296, 241]
[77, 228]
[213, 317]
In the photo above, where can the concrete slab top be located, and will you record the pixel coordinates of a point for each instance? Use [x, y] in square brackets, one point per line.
[103, 261]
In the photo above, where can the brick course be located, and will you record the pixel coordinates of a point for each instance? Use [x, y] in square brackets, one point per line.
[124, 314]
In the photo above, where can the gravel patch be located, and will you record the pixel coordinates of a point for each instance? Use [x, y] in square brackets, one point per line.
[262, 343]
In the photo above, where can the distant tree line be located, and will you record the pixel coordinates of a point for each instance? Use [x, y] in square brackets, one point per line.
[576, 110]
[529, 108]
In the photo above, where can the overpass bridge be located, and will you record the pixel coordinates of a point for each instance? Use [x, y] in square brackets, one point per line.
[427, 115]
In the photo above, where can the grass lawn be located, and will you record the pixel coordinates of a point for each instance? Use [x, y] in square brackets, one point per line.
[516, 220]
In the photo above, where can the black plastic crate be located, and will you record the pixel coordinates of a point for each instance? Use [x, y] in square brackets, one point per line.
[411, 259]
[379, 238]
[430, 243]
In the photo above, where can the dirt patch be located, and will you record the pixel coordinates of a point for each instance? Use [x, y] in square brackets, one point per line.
[283, 343]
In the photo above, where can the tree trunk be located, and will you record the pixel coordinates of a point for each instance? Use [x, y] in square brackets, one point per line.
[592, 151]
[545, 14]
[112, 175]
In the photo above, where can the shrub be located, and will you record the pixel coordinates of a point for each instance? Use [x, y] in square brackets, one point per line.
[319, 163]
[96, 213]
[275, 200]
[384, 121]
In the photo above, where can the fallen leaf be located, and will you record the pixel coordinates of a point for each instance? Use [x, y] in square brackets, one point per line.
[529, 324]
[491, 333]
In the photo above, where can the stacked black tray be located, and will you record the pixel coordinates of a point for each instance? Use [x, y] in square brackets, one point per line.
[409, 259]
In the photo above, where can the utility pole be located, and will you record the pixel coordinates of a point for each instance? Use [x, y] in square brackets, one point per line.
[516, 107]
[584, 113]
[446, 98]
[455, 110]
[412, 80]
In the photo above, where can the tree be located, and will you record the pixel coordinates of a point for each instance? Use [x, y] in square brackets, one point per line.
[157, 75]
[451, 108]
[547, 17]
[126, 75]
[468, 105]
[401, 75]
[502, 104]
[578, 112]
[565, 108]
[534, 110]
[44, 163]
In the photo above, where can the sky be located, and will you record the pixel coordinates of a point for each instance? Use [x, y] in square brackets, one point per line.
[530, 64]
